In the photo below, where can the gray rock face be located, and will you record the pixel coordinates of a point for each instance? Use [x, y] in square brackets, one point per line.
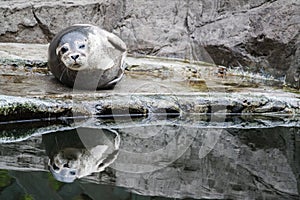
[261, 36]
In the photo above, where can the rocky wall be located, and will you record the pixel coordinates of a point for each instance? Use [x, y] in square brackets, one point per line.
[259, 36]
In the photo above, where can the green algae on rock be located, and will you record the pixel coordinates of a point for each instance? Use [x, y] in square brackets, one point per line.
[19, 108]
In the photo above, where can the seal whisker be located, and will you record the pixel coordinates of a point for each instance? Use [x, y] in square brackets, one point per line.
[62, 74]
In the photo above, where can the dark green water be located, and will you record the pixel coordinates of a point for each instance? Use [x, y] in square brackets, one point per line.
[41, 185]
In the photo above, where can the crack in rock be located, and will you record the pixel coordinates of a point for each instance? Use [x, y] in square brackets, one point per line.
[45, 29]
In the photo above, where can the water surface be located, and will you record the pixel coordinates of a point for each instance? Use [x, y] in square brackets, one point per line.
[169, 158]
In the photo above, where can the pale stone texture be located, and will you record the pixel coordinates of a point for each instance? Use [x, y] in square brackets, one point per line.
[260, 36]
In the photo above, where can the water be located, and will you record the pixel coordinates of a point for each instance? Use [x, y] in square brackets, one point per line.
[150, 158]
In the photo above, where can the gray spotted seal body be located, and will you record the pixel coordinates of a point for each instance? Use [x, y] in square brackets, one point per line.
[87, 57]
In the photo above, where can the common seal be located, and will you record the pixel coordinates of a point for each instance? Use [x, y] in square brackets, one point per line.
[84, 56]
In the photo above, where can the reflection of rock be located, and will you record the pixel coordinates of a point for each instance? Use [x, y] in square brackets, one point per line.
[239, 166]
[71, 157]
[149, 148]
[256, 163]
[16, 132]
[261, 35]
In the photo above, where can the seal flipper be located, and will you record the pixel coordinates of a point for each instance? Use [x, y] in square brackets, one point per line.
[112, 84]
[116, 42]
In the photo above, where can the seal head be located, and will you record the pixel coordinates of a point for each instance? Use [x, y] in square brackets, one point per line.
[73, 50]
[87, 57]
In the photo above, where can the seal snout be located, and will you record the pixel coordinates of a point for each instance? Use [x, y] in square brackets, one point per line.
[75, 57]
[74, 60]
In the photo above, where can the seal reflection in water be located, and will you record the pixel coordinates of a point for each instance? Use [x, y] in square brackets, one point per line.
[81, 152]
[87, 57]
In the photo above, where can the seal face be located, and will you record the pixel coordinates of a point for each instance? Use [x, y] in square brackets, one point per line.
[73, 50]
[87, 57]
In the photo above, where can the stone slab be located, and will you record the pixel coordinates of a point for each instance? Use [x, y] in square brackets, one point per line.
[150, 85]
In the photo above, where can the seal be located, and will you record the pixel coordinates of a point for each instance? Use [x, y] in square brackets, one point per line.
[84, 56]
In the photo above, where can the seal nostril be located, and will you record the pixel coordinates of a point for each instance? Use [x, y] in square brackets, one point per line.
[74, 57]
[73, 173]
[66, 165]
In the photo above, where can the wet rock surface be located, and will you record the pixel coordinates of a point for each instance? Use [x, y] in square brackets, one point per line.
[151, 85]
[259, 36]
[187, 130]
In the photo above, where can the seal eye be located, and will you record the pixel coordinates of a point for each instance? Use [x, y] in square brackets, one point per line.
[82, 46]
[64, 50]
